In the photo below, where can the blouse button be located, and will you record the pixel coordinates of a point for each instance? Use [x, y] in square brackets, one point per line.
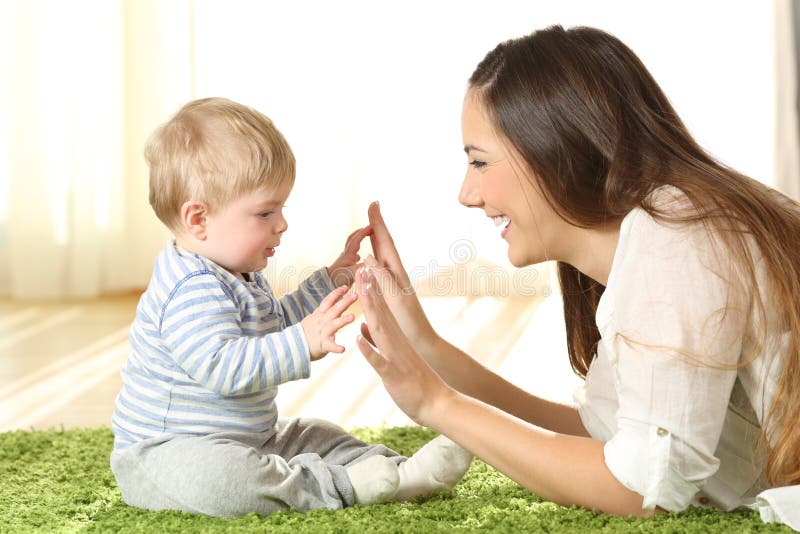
[662, 432]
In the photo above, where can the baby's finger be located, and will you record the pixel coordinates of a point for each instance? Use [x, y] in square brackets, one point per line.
[354, 240]
[377, 361]
[331, 346]
[352, 236]
[349, 240]
[332, 298]
[335, 325]
[337, 309]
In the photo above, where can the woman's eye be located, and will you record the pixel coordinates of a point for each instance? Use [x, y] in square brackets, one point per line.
[478, 164]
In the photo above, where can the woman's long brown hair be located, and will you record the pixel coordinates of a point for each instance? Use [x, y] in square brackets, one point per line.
[598, 136]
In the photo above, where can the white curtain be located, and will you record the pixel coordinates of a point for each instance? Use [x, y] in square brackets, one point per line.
[787, 140]
[84, 82]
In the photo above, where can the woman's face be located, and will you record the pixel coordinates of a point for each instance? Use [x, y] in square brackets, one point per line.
[496, 182]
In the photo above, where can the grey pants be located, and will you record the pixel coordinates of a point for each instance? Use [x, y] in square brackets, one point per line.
[300, 464]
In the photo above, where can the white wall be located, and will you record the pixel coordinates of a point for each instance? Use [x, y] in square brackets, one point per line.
[369, 96]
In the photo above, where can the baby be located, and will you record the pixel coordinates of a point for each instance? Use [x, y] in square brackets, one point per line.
[195, 425]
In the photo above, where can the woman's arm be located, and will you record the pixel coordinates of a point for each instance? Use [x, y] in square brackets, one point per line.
[468, 376]
[567, 469]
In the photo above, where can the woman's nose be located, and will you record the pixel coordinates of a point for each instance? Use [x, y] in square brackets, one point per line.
[470, 194]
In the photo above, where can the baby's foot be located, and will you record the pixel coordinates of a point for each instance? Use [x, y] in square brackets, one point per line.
[439, 465]
[375, 480]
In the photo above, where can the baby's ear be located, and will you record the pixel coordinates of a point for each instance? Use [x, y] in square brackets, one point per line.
[193, 218]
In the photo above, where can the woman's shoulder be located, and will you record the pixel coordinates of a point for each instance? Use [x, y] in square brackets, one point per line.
[665, 243]
[669, 207]
[664, 258]
[662, 228]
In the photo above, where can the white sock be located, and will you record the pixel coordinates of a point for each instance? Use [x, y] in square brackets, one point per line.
[374, 480]
[439, 465]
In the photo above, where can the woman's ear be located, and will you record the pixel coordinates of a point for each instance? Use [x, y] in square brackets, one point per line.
[193, 218]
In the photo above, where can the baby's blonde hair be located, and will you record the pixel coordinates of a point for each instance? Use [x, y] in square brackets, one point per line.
[214, 150]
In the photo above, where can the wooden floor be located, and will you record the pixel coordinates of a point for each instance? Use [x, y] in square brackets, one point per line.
[60, 362]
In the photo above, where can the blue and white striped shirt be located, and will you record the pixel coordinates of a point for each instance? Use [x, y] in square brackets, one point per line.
[208, 350]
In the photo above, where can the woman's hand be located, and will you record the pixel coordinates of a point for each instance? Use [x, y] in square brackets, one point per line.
[398, 293]
[409, 380]
[342, 272]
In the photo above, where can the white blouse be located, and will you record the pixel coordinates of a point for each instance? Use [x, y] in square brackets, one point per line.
[675, 391]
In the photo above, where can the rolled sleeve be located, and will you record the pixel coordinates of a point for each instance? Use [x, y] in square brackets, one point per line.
[779, 505]
[645, 458]
[642, 457]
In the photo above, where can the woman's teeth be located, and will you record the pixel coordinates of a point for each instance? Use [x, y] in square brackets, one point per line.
[503, 220]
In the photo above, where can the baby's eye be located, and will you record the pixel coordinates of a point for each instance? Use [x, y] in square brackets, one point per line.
[478, 164]
[266, 214]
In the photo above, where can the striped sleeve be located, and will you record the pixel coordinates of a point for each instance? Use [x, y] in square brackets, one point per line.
[201, 326]
[305, 299]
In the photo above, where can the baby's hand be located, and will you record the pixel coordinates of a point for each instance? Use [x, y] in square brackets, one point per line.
[343, 270]
[320, 327]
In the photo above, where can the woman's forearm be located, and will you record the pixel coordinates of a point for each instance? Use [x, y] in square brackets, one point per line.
[465, 374]
[569, 470]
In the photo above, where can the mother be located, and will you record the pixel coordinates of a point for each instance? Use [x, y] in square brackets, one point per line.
[681, 286]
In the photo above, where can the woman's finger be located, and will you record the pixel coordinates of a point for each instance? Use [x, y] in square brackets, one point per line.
[383, 245]
[387, 283]
[383, 325]
[367, 290]
[366, 334]
[377, 361]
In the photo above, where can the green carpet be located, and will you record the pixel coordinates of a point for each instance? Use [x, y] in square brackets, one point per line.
[60, 481]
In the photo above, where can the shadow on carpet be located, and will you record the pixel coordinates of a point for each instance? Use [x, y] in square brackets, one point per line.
[60, 481]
